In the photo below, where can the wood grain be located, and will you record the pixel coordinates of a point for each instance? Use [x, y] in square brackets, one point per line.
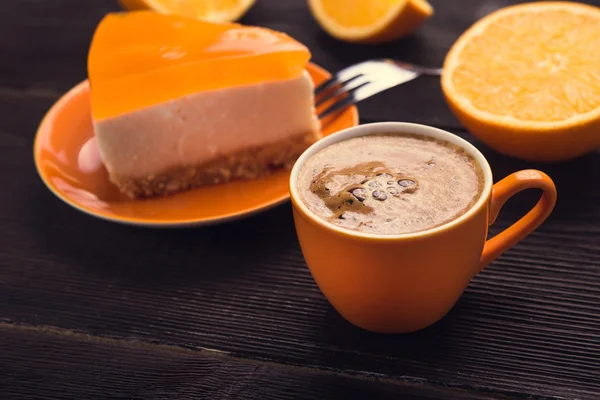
[62, 363]
[53, 39]
[526, 327]
[50, 54]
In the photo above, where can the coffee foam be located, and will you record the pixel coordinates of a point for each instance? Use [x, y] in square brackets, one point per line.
[390, 183]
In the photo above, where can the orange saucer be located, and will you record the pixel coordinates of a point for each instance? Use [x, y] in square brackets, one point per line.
[67, 127]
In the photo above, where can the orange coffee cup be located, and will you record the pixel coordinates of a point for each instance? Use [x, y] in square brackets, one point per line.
[403, 283]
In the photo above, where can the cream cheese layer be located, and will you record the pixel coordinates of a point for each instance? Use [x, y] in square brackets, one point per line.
[197, 128]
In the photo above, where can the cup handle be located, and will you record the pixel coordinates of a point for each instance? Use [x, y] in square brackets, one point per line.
[504, 190]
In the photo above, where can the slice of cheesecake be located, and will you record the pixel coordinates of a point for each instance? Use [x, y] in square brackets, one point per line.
[179, 103]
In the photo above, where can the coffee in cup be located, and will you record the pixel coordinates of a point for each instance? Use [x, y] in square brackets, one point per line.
[390, 183]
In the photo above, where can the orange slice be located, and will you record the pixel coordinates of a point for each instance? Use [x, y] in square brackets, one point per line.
[206, 10]
[370, 21]
[526, 80]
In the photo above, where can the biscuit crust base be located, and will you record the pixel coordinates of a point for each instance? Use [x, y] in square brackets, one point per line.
[249, 163]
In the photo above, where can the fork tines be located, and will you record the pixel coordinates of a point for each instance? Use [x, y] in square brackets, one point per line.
[360, 81]
[341, 92]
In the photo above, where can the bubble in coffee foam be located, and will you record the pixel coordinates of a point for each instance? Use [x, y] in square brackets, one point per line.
[386, 190]
[359, 193]
[379, 195]
[393, 190]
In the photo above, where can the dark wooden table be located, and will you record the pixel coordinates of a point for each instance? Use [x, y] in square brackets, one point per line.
[90, 309]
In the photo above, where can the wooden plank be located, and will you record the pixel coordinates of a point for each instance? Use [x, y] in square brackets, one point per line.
[53, 39]
[54, 364]
[527, 325]
[45, 43]
[51, 52]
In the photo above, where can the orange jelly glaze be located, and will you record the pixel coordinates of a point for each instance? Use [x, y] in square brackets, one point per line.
[141, 58]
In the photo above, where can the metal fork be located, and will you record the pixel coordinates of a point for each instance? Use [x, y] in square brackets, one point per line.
[360, 81]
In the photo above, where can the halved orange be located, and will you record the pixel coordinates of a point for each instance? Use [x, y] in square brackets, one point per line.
[206, 10]
[370, 21]
[526, 80]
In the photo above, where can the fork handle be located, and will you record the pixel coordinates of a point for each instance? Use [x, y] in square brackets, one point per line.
[417, 68]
